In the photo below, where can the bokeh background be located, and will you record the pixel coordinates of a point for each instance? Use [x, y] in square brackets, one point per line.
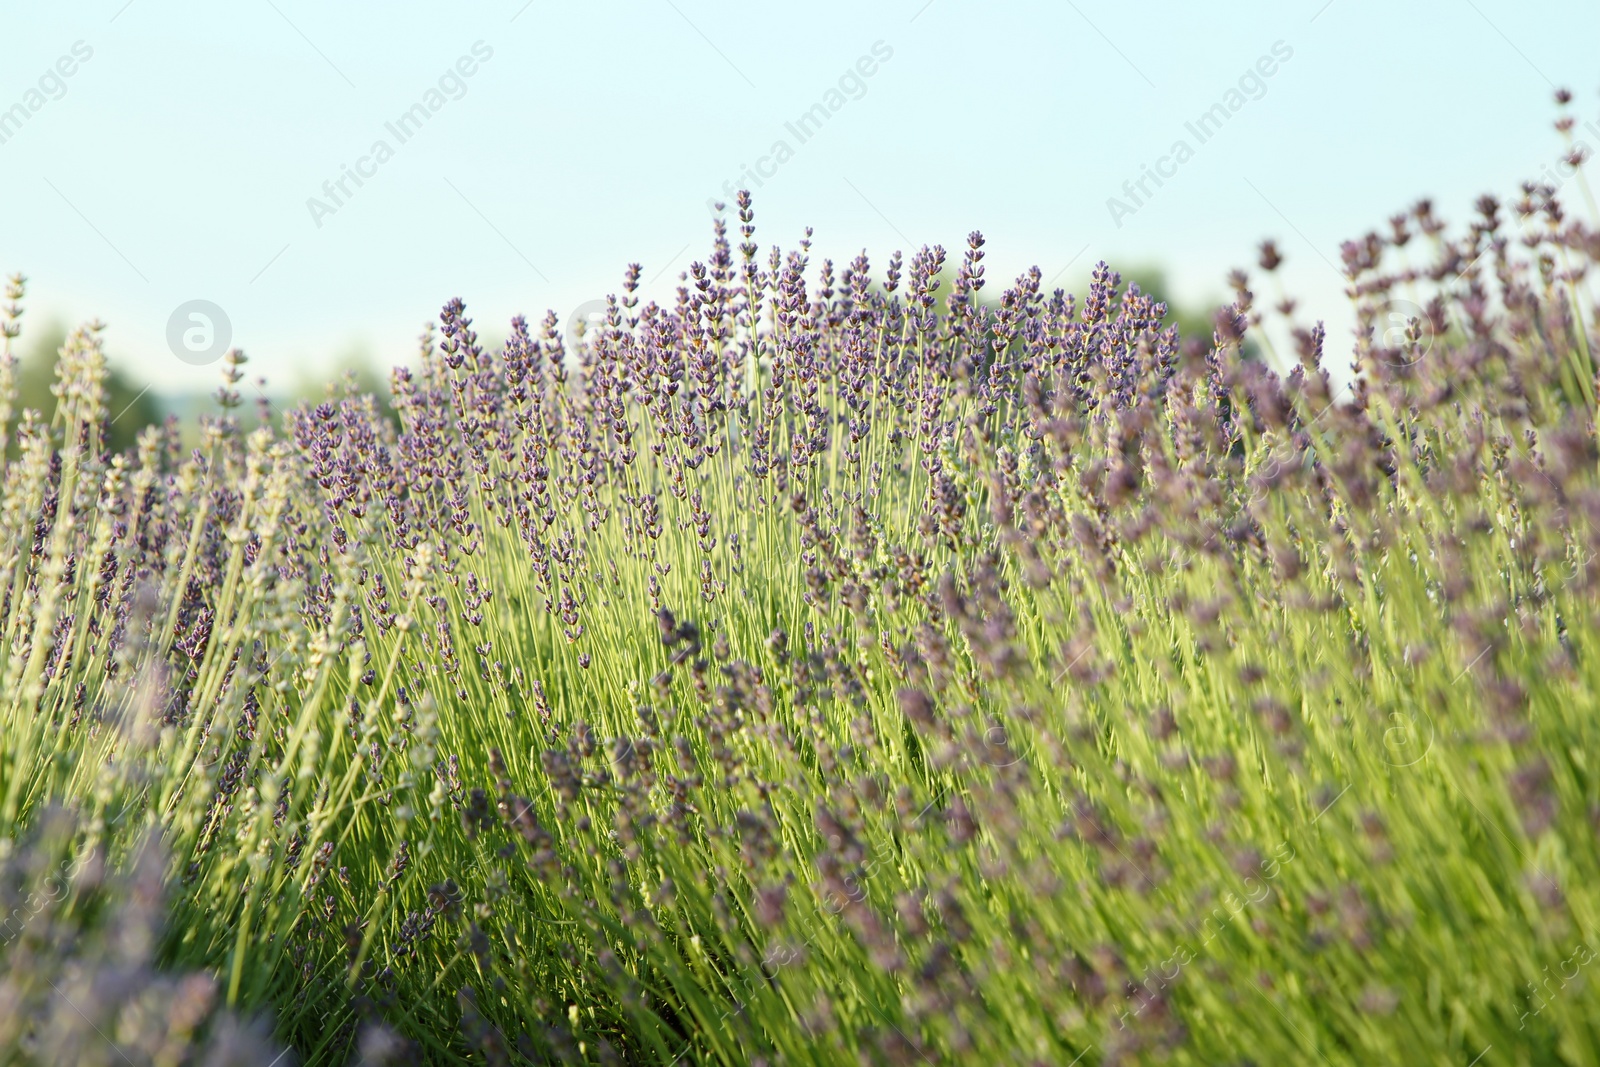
[177, 162]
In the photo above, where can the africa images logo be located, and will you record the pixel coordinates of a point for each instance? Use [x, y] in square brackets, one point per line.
[1252, 85]
[452, 85]
[851, 85]
[52, 85]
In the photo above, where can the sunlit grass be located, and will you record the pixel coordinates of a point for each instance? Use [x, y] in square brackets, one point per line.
[798, 675]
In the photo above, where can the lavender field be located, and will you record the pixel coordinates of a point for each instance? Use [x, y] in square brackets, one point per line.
[836, 664]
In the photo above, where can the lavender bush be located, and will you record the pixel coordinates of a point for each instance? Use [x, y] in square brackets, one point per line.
[79, 986]
[834, 668]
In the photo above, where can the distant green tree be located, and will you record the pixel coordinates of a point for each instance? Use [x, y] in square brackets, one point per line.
[353, 372]
[270, 401]
[131, 407]
[1195, 322]
[1192, 321]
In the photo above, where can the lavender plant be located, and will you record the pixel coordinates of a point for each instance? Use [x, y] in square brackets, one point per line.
[832, 667]
[79, 986]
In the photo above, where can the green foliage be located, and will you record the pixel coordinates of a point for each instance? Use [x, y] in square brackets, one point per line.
[818, 678]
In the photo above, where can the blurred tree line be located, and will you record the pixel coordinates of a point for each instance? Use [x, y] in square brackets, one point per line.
[131, 406]
[1192, 321]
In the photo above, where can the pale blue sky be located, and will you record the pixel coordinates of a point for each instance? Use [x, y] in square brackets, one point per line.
[178, 161]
